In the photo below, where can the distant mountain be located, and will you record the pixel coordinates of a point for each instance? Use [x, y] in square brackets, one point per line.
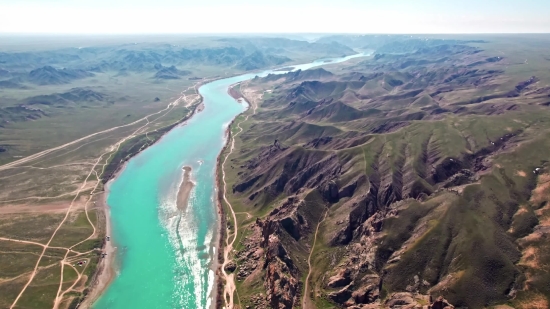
[390, 43]
[52, 105]
[418, 45]
[73, 96]
[4, 73]
[11, 84]
[361, 41]
[299, 75]
[48, 75]
[20, 60]
[19, 113]
[313, 74]
[170, 72]
[281, 46]
[258, 60]
[150, 60]
[125, 59]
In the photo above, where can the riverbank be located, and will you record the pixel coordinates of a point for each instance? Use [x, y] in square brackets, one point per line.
[217, 262]
[105, 271]
[224, 257]
[222, 222]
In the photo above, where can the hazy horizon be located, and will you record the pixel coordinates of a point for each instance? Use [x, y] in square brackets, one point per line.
[217, 17]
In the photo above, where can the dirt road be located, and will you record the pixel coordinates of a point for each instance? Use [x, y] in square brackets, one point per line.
[230, 288]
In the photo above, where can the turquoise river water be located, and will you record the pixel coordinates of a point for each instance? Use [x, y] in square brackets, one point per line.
[164, 255]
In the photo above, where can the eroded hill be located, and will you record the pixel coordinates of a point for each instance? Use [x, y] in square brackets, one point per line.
[395, 180]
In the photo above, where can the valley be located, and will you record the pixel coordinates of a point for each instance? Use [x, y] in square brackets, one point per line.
[70, 119]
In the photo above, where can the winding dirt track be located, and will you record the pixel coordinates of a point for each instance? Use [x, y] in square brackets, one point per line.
[51, 238]
[229, 288]
[306, 301]
[111, 151]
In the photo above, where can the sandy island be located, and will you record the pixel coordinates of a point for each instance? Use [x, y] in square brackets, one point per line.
[185, 189]
[182, 202]
[284, 69]
[235, 93]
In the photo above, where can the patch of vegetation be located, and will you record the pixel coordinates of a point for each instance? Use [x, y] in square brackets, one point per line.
[43, 289]
[73, 230]
[16, 226]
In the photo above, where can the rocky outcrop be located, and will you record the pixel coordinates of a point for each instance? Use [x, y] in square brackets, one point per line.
[281, 283]
[265, 250]
[285, 218]
[342, 278]
[265, 154]
[330, 191]
[280, 170]
[402, 300]
[282, 275]
[314, 175]
[366, 295]
[230, 267]
[349, 189]
[361, 209]
[341, 296]
[246, 184]
[441, 303]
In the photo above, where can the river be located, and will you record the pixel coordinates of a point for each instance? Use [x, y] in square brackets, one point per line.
[164, 255]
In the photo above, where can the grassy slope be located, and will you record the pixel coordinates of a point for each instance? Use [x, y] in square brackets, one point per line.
[465, 244]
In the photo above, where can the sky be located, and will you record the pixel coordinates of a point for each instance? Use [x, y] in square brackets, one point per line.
[276, 16]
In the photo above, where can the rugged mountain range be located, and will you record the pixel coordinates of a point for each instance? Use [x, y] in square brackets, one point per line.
[395, 181]
[258, 60]
[396, 44]
[36, 107]
[169, 72]
[65, 65]
[57, 80]
[50, 76]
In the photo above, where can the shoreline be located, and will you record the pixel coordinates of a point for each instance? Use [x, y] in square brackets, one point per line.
[106, 269]
[222, 223]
